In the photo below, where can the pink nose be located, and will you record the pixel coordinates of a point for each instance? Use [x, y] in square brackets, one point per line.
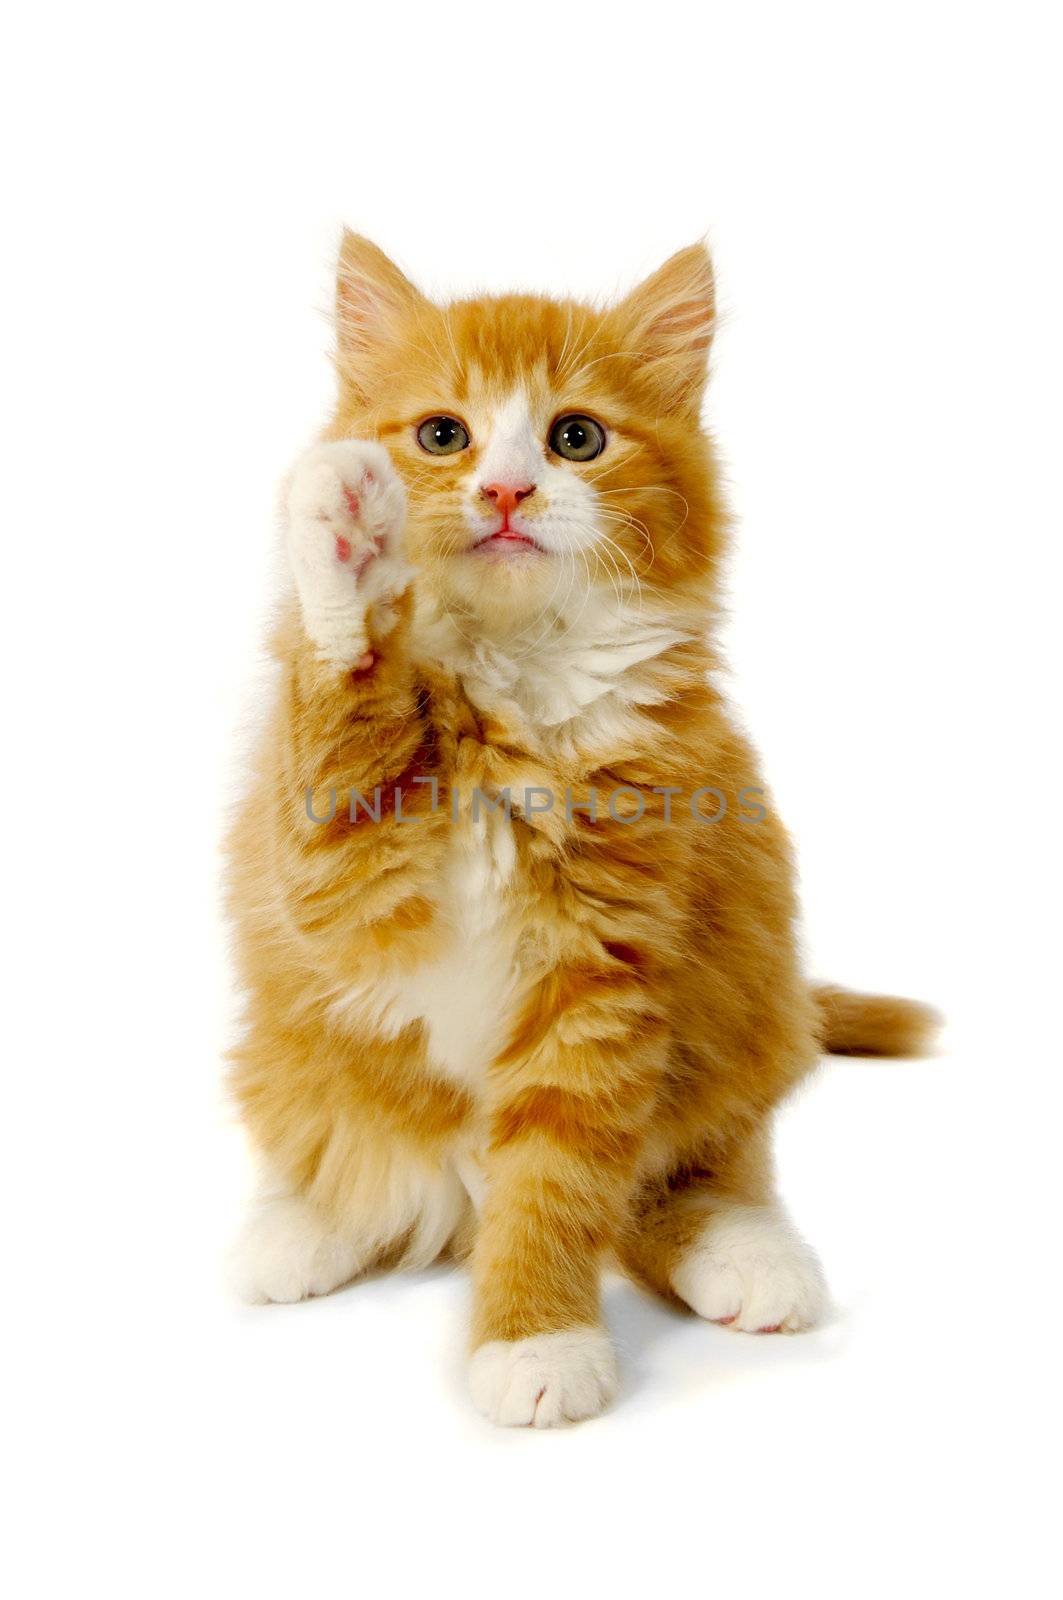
[506, 496]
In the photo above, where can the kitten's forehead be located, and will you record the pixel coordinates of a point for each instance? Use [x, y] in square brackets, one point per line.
[508, 394]
[512, 409]
[516, 342]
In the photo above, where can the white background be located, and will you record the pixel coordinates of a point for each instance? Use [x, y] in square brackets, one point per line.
[880, 188]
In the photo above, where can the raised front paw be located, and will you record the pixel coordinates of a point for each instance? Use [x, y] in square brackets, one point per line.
[344, 510]
[545, 1380]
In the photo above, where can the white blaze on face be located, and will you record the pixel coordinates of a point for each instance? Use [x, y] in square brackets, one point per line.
[514, 453]
[562, 514]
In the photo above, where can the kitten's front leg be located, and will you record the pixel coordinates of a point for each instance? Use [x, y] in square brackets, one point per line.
[572, 1098]
[344, 511]
[354, 719]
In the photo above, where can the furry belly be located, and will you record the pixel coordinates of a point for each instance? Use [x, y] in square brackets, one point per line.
[463, 999]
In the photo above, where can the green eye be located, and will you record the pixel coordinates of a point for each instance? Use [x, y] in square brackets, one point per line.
[443, 436]
[577, 438]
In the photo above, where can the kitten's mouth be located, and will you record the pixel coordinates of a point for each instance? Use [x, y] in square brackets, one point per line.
[506, 541]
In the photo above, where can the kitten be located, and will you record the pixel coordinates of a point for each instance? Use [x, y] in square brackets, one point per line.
[515, 921]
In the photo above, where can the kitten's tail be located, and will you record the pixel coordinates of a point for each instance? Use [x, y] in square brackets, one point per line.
[873, 1024]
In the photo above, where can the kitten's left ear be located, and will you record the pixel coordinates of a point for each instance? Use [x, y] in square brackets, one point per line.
[668, 321]
[373, 300]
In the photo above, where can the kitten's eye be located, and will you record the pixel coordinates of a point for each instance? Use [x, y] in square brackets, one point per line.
[577, 438]
[443, 436]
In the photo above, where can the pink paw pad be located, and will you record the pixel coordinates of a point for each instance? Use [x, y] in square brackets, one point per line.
[353, 503]
[775, 1327]
[343, 547]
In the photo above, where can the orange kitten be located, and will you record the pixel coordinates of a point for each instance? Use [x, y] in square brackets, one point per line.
[515, 918]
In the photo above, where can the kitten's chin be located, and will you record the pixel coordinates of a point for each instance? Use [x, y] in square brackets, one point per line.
[503, 590]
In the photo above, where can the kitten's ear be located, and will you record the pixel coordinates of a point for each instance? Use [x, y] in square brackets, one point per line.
[668, 320]
[373, 299]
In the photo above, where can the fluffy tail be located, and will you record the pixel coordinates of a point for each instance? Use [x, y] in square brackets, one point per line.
[873, 1024]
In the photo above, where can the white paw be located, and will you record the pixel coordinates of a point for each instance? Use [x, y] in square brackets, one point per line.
[288, 1251]
[542, 1381]
[344, 508]
[751, 1270]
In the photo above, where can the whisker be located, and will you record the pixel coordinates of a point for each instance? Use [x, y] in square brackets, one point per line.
[610, 355]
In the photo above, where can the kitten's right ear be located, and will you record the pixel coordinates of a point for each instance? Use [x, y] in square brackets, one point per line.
[373, 299]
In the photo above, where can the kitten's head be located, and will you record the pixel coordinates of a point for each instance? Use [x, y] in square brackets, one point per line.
[550, 451]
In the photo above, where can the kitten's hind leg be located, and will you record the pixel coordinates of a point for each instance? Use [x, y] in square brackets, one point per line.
[288, 1249]
[390, 1211]
[722, 1242]
[749, 1268]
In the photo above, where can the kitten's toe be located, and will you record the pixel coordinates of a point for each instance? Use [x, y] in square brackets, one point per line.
[287, 1251]
[545, 1380]
[751, 1270]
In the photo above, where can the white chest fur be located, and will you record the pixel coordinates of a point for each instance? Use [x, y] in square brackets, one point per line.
[463, 999]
